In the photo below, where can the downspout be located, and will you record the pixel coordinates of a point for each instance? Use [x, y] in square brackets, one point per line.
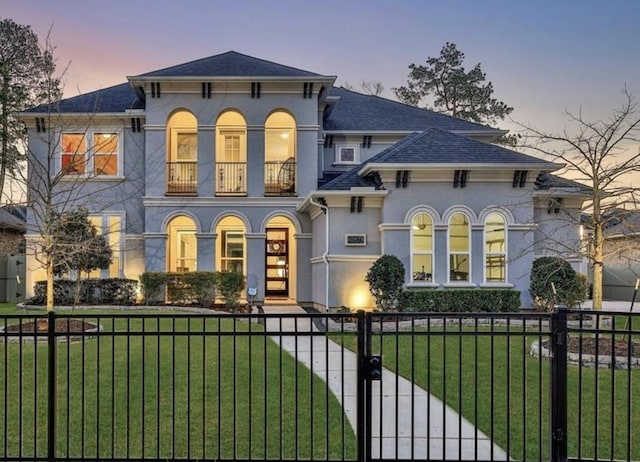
[325, 255]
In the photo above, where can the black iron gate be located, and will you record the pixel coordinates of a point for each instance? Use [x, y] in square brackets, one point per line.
[343, 387]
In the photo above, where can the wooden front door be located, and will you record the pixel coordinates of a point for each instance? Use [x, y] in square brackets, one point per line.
[277, 264]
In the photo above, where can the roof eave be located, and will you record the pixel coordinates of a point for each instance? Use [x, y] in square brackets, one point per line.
[377, 167]
[364, 192]
[199, 78]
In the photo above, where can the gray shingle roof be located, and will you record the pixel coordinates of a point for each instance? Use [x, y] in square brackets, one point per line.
[357, 112]
[9, 221]
[230, 64]
[435, 146]
[546, 181]
[118, 98]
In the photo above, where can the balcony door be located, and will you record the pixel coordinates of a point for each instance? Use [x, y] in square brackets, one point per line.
[277, 262]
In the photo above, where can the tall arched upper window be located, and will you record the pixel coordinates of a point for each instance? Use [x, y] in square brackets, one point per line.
[422, 247]
[495, 248]
[231, 154]
[459, 247]
[182, 153]
[280, 154]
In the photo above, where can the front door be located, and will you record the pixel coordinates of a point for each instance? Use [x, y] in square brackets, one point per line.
[277, 264]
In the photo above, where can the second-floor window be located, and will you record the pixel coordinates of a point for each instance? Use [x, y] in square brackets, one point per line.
[105, 157]
[74, 153]
[231, 154]
[94, 153]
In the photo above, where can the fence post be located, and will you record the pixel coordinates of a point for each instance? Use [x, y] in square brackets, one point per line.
[559, 336]
[361, 414]
[51, 386]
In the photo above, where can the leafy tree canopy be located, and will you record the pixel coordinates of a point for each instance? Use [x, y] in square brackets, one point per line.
[77, 244]
[25, 81]
[452, 89]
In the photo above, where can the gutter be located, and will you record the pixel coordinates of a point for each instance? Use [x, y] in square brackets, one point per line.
[325, 255]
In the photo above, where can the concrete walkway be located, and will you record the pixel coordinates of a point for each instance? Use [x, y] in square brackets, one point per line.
[415, 425]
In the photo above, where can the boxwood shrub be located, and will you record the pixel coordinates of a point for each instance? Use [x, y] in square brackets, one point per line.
[459, 300]
[92, 292]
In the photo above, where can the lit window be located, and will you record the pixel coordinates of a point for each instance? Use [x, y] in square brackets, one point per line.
[182, 153]
[459, 245]
[111, 227]
[73, 153]
[422, 248]
[105, 147]
[231, 154]
[232, 258]
[280, 154]
[495, 248]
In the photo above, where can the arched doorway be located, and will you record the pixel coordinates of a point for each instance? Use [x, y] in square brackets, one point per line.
[280, 259]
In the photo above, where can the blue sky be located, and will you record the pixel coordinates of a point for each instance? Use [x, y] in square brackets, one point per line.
[544, 57]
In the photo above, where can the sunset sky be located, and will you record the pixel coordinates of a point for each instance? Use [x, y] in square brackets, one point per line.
[544, 57]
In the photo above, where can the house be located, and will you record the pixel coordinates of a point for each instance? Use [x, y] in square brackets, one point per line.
[12, 231]
[237, 163]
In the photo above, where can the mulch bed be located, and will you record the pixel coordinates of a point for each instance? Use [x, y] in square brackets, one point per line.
[72, 326]
[604, 346]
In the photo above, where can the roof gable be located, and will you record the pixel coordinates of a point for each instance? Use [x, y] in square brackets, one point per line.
[230, 64]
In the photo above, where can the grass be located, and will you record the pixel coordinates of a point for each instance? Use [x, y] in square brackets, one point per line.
[209, 395]
[494, 383]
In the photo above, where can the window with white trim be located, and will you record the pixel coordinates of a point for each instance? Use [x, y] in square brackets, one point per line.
[495, 248]
[349, 154]
[93, 152]
[459, 248]
[422, 247]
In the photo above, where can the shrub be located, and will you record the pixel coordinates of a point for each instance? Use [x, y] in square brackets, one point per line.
[153, 287]
[459, 300]
[230, 284]
[570, 289]
[198, 287]
[92, 292]
[385, 278]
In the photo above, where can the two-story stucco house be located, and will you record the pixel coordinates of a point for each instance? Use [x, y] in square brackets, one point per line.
[237, 163]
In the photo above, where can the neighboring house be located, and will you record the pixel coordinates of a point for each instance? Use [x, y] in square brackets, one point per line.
[236, 163]
[12, 245]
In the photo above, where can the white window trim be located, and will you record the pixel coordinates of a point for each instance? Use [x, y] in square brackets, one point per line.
[88, 135]
[430, 283]
[485, 254]
[338, 154]
[455, 283]
[175, 131]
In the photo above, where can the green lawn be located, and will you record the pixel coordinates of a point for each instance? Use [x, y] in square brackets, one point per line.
[486, 378]
[214, 396]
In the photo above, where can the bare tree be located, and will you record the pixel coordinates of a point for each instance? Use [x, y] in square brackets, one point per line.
[63, 159]
[602, 154]
[369, 87]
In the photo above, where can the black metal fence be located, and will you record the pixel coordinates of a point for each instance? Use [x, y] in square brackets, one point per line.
[471, 386]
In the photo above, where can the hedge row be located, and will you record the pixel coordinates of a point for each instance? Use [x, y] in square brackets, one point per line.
[194, 288]
[459, 300]
[92, 292]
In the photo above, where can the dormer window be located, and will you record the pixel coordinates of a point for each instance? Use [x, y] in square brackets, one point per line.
[347, 154]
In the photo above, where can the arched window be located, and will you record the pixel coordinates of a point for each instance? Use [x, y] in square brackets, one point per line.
[459, 247]
[422, 247]
[182, 153]
[231, 245]
[231, 154]
[182, 246]
[495, 248]
[280, 154]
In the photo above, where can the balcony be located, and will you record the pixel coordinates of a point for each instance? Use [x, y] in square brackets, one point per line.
[231, 178]
[280, 178]
[182, 178]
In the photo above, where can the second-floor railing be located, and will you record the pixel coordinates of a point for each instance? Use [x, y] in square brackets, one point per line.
[182, 178]
[280, 178]
[231, 178]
